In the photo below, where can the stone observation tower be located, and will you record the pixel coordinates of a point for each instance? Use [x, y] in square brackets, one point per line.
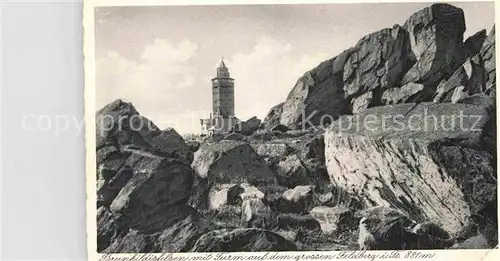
[222, 118]
[223, 92]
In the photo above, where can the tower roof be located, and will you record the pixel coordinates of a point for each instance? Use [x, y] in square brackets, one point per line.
[222, 70]
[222, 64]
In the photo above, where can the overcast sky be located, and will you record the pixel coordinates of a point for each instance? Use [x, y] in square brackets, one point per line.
[162, 58]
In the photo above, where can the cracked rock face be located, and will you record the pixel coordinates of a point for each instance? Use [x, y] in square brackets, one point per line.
[436, 37]
[377, 62]
[475, 76]
[443, 174]
[424, 60]
[316, 93]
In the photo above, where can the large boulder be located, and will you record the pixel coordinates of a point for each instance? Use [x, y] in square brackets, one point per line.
[475, 242]
[250, 192]
[241, 240]
[416, 159]
[156, 183]
[333, 219]
[436, 37]
[143, 183]
[231, 162]
[297, 200]
[291, 172]
[169, 143]
[248, 127]
[171, 231]
[382, 228]
[120, 124]
[219, 195]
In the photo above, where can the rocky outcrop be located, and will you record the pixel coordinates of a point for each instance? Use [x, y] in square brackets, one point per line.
[119, 124]
[316, 93]
[231, 162]
[143, 183]
[128, 146]
[406, 158]
[402, 64]
[378, 62]
[242, 240]
[475, 76]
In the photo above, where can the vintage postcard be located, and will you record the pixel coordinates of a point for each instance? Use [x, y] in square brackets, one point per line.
[291, 130]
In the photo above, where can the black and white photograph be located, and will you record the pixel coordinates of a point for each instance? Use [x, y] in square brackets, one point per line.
[285, 128]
